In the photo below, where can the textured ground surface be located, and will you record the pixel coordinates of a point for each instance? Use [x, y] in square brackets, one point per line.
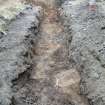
[52, 80]
[45, 85]
[87, 47]
[14, 51]
[9, 9]
[52, 54]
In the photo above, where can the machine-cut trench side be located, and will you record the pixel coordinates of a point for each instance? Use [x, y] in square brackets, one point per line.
[51, 81]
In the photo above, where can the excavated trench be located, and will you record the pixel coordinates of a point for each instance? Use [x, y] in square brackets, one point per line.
[49, 78]
[52, 53]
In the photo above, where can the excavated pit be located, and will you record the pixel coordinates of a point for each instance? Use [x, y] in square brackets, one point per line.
[45, 50]
[51, 80]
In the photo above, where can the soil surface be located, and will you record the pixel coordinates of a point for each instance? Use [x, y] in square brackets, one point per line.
[52, 80]
[52, 52]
